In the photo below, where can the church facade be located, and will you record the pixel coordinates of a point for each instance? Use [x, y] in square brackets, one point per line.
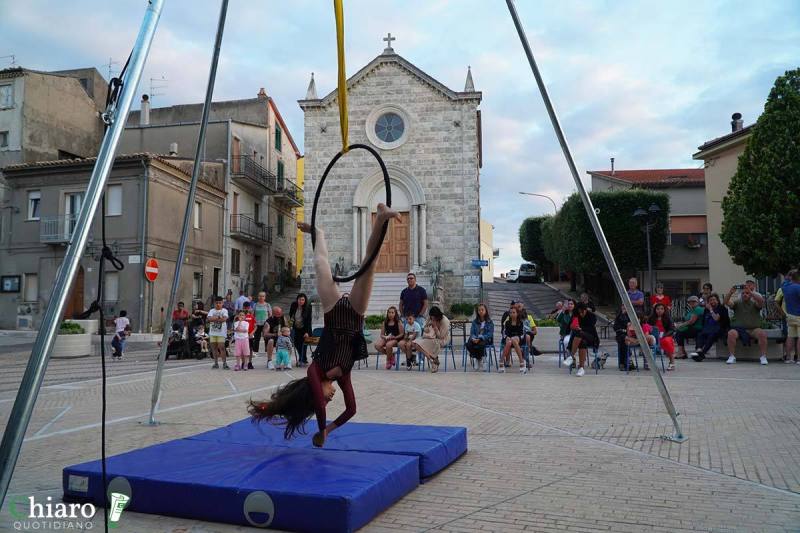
[430, 139]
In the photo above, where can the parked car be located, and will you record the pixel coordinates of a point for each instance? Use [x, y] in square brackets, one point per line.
[529, 273]
[512, 276]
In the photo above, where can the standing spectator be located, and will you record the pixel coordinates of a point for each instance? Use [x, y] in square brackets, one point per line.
[412, 332]
[715, 324]
[691, 325]
[660, 298]
[790, 292]
[621, 331]
[636, 296]
[262, 311]
[217, 332]
[241, 341]
[300, 317]
[414, 299]
[583, 336]
[120, 323]
[180, 317]
[275, 323]
[240, 301]
[707, 290]
[390, 335]
[250, 318]
[230, 306]
[746, 321]
[435, 335]
[662, 324]
[588, 302]
[481, 334]
[513, 333]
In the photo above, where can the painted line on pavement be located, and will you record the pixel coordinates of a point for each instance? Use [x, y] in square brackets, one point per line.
[147, 414]
[54, 420]
[233, 387]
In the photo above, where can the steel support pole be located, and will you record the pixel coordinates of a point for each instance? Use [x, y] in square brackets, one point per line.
[187, 216]
[649, 259]
[43, 346]
[598, 230]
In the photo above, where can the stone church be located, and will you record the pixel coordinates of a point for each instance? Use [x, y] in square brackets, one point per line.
[430, 138]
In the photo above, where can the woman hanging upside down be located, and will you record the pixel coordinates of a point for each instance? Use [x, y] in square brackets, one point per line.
[341, 345]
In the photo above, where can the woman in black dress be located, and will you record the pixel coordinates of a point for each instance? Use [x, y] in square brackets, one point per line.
[342, 344]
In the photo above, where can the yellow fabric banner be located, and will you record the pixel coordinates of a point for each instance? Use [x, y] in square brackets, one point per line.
[339, 11]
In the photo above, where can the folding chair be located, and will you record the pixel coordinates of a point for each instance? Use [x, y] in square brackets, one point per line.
[449, 347]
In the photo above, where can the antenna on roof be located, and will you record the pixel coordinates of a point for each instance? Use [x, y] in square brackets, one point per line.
[13, 59]
[110, 66]
[158, 83]
[612, 166]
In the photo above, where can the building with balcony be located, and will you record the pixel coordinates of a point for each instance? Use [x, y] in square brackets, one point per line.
[144, 199]
[685, 265]
[251, 140]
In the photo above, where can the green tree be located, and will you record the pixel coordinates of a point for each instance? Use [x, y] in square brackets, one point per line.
[575, 246]
[761, 212]
[530, 239]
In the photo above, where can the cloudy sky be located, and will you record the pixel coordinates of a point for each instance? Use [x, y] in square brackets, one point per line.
[644, 82]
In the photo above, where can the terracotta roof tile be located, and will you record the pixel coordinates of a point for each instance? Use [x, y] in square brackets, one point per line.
[680, 177]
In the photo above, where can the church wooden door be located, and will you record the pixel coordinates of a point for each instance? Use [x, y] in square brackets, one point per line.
[74, 304]
[395, 252]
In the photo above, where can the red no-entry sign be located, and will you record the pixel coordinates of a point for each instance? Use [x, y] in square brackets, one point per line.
[151, 269]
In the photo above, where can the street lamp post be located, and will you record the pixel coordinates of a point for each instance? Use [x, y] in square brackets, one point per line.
[555, 208]
[648, 219]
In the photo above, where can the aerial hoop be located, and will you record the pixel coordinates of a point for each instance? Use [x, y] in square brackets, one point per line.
[388, 186]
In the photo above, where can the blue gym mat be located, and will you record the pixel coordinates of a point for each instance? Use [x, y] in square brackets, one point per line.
[286, 488]
[436, 446]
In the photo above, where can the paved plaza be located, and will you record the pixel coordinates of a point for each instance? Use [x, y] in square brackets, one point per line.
[547, 451]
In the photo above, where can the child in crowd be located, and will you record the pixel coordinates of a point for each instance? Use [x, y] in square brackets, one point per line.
[241, 339]
[413, 331]
[201, 338]
[647, 329]
[250, 318]
[118, 342]
[120, 323]
[284, 346]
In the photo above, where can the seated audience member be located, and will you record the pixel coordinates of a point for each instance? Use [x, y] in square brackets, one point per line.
[513, 332]
[435, 336]
[583, 333]
[529, 329]
[705, 293]
[564, 320]
[746, 321]
[631, 340]
[391, 334]
[481, 334]
[588, 302]
[556, 310]
[662, 324]
[621, 332]
[691, 325]
[660, 298]
[411, 332]
[716, 322]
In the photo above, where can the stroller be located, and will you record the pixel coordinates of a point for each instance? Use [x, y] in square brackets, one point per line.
[181, 347]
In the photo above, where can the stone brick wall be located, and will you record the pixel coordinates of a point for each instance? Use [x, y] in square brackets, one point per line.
[441, 153]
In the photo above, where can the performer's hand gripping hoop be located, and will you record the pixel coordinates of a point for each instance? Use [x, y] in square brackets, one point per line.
[369, 260]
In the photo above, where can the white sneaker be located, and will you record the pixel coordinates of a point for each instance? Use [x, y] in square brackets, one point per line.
[693, 354]
[580, 372]
[502, 369]
[731, 360]
[271, 365]
[569, 360]
[763, 360]
[523, 369]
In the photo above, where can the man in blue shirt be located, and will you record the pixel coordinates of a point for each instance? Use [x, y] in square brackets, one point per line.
[791, 300]
[414, 300]
[636, 296]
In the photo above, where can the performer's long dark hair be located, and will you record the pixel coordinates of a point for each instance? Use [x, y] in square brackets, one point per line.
[290, 406]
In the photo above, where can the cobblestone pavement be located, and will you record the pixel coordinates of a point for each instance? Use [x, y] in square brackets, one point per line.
[547, 451]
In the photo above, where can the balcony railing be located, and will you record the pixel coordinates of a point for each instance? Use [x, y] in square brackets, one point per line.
[247, 229]
[245, 171]
[288, 193]
[56, 229]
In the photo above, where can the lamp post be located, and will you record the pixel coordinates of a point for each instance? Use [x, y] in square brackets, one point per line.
[648, 219]
[555, 208]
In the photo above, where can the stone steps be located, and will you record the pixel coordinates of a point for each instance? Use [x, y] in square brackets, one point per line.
[386, 290]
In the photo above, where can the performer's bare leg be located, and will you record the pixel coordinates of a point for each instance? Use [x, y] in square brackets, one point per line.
[326, 287]
[362, 287]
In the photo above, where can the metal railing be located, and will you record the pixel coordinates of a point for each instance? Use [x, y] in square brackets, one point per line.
[244, 166]
[289, 191]
[56, 229]
[244, 226]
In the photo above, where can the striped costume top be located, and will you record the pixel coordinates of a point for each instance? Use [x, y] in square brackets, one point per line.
[342, 342]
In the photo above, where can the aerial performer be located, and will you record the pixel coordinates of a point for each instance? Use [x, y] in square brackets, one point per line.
[341, 345]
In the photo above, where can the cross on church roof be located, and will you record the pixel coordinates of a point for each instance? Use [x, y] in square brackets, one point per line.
[389, 39]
